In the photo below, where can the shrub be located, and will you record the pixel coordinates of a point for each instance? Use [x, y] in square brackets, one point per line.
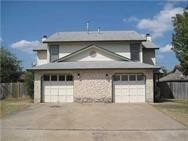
[29, 83]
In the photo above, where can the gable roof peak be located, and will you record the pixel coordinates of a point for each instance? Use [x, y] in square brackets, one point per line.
[90, 47]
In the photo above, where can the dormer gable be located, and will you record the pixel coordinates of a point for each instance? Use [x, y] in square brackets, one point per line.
[92, 53]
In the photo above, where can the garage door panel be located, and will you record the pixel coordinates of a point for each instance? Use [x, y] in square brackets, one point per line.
[62, 91]
[62, 98]
[141, 91]
[129, 91]
[47, 91]
[118, 91]
[133, 99]
[132, 91]
[58, 91]
[69, 98]
[69, 92]
[125, 91]
[140, 99]
[125, 98]
[54, 98]
[47, 98]
[119, 99]
[54, 92]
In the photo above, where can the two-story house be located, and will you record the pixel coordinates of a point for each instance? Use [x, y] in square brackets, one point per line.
[103, 66]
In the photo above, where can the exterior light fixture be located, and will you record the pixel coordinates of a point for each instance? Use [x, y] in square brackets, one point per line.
[107, 76]
[78, 75]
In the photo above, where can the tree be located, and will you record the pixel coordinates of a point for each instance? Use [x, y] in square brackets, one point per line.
[10, 66]
[29, 83]
[180, 39]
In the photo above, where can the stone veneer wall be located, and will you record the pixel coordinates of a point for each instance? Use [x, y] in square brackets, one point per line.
[93, 85]
[37, 87]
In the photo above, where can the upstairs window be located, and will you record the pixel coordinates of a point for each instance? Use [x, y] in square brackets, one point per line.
[135, 51]
[54, 52]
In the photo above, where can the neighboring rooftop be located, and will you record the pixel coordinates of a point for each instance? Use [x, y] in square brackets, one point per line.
[174, 76]
[95, 36]
[94, 65]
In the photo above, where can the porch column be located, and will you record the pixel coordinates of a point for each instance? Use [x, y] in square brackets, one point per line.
[37, 87]
[149, 86]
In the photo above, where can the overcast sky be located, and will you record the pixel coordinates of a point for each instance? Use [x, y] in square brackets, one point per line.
[24, 23]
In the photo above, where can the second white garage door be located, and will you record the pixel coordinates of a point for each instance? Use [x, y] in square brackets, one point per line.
[129, 88]
[58, 88]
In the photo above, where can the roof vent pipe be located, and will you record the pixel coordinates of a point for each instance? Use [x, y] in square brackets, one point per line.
[87, 26]
[44, 38]
[148, 37]
[99, 30]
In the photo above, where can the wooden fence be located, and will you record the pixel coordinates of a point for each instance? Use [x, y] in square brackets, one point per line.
[176, 90]
[12, 89]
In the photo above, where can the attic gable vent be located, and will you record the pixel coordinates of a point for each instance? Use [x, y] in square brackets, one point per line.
[93, 54]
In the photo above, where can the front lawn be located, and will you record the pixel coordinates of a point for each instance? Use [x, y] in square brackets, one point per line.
[177, 109]
[12, 105]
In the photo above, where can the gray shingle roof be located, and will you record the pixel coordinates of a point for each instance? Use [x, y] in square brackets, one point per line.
[148, 44]
[94, 65]
[95, 36]
[174, 76]
[43, 46]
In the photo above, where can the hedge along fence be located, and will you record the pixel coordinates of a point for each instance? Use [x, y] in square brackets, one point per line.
[12, 89]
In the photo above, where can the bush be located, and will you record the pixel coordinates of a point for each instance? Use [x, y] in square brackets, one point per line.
[29, 83]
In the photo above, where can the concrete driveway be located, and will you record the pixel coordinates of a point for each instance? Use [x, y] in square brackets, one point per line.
[95, 122]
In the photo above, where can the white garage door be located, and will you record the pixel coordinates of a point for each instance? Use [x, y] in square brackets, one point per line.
[129, 88]
[58, 88]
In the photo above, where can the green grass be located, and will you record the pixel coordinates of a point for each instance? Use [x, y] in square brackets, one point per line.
[10, 106]
[177, 109]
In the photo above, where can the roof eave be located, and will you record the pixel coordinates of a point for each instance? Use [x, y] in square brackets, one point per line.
[151, 48]
[57, 69]
[39, 49]
[141, 40]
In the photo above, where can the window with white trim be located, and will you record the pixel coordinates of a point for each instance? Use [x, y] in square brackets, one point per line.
[54, 52]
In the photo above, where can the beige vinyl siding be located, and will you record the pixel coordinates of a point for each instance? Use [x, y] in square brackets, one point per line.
[41, 57]
[149, 56]
[121, 48]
